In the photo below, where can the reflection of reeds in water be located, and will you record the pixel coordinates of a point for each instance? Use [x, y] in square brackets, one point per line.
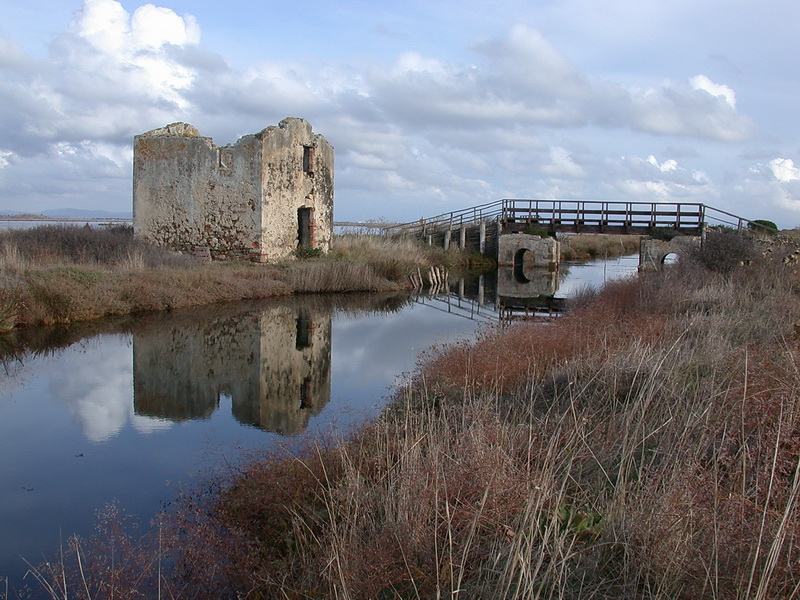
[436, 279]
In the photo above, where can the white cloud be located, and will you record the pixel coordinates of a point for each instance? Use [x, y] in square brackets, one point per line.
[666, 181]
[562, 165]
[154, 26]
[418, 124]
[666, 166]
[701, 82]
[783, 170]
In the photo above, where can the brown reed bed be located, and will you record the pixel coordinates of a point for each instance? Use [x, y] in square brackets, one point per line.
[645, 445]
[63, 274]
[583, 246]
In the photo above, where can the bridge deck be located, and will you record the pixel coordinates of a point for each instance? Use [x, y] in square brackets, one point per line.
[578, 216]
[602, 217]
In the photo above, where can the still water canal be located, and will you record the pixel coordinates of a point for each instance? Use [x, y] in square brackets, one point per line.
[132, 410]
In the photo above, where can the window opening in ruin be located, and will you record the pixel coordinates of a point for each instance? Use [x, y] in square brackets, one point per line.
[303, 227]
[308, 159]
[225, 158]
[303, 339]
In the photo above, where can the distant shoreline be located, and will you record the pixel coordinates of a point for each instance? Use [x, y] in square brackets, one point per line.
[61, 220]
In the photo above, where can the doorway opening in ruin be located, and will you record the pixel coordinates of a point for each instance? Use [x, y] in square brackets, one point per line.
[303, 227]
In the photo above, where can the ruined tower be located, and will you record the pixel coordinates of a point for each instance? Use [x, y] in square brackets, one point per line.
[260, 199]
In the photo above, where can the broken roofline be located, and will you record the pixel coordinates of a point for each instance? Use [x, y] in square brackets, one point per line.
[182, 129]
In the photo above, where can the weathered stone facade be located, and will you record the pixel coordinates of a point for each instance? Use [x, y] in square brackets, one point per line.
[260, 198]
[544, 252]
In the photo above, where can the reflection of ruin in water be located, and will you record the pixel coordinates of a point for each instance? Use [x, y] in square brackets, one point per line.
[273, 362]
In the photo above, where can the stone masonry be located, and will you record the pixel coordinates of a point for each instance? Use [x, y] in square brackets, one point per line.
[260, 199]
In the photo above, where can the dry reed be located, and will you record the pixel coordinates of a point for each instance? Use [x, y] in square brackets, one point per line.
[67, 274]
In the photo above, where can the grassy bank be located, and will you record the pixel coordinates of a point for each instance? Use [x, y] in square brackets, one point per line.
[646, 445]
[582, 247]
[63, 274]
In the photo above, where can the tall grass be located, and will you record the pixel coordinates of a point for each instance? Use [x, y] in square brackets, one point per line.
[583, 246]
[393, 258]
[64, 274]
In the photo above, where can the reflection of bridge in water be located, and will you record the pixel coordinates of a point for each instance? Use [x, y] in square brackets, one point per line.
[502, 295]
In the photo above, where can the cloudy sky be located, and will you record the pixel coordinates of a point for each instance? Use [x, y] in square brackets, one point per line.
[432, 105]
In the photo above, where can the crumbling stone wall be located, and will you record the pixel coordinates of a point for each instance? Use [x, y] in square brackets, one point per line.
[260, 198]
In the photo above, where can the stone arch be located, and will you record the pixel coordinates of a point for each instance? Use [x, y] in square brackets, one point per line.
[544, 251]
[670, 258]
[519, 266]
[652, 253]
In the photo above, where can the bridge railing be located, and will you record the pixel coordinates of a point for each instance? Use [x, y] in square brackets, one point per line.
[589, 216]
[598, 216]
[716, 216]
[450, 220]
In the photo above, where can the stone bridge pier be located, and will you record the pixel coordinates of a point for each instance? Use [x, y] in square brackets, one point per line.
[653, 253]
[536, 251]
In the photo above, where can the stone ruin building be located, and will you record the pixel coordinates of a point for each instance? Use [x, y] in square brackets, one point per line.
[259, 199]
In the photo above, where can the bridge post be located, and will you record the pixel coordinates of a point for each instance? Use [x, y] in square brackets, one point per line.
[462, 236]
[482, 238]
[447, 239]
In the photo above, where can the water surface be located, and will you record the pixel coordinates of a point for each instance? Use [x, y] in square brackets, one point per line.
[133, 413]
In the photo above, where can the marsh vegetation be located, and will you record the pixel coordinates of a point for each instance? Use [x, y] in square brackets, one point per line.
[645, 445]
[63, 274]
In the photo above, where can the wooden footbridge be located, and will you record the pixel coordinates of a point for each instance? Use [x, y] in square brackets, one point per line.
[480, 227]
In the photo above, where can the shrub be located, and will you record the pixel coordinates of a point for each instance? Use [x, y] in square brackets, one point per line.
[536, 230]
[664, 233]
[307, 252]
[763, 226]
[723, 251]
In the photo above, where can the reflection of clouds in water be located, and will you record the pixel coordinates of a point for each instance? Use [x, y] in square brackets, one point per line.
[595, 274]
[366, 350]
[94, 380]
[147, 425]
